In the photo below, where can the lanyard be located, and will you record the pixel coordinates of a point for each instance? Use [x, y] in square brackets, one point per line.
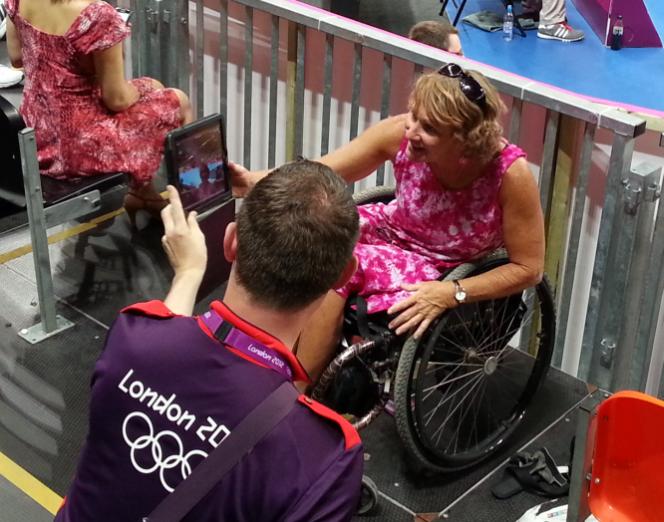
[247, 345]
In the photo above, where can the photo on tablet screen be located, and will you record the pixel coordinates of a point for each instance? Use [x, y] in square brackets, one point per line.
[197, 161]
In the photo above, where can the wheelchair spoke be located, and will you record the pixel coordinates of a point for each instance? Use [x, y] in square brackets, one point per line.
[447, 397]
[474, 365]
[448, 381]
[462, 417]
[440, 429]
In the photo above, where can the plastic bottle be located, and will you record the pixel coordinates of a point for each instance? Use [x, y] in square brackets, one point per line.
[617, 34]
[508, 25]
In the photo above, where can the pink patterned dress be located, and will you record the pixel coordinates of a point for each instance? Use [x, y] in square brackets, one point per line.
[425, 229]
[76, 134]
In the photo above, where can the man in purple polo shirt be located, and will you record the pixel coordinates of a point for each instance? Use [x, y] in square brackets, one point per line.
[166, 391]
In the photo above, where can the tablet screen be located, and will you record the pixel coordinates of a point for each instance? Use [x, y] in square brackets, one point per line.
[198, 155]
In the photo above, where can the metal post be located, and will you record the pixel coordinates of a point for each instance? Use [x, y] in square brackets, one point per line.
[248, 83]
[223, 60]
[515, 120]
[567, 285]
[50, 322]
[327, 94]
[274, 85]
[548, 161]
[621, 157]
[584, 443]
[199, 54]
[385, 106]
[180, 32]
[630, 357]
[299, 90]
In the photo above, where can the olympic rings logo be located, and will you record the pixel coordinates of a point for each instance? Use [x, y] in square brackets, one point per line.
[162, 462]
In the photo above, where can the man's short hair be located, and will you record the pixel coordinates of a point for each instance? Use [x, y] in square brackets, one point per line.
[296, 230]
[433, 33]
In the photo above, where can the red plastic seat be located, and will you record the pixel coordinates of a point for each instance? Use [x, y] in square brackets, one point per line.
[628, 464]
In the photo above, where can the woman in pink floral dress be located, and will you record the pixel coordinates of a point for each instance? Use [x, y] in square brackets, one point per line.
[87, 118]
[462, 191]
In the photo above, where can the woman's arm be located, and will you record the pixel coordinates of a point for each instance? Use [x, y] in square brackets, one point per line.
[523, 233]
[116, 92]
[376, 145]
[353, 161]
[14, 45]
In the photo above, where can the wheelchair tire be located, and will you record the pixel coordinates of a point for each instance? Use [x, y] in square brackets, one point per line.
[486, 383]
[378, 194]
[368, 497]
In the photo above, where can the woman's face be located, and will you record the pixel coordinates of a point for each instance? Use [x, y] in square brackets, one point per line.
[424, 141]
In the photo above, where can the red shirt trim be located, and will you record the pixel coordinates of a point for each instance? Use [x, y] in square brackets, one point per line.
[153, 308]
[299, 373]
[351, 436]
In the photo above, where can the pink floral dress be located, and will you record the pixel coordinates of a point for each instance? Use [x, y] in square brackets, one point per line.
[426, 229]
[76, 134]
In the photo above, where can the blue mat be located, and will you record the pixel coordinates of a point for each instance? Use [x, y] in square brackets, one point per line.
[628, 76]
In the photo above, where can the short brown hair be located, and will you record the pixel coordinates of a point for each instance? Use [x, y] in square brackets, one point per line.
[433, 33]
[296, 232]
[448, 109]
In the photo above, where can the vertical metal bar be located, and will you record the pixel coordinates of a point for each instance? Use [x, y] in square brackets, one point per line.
[385, 106]
[357, 87]
[565, 294]
[299, 90]
[166, 48]
[248, 82]
[37, 221]
[223, 60]
[199, 58]
[580, 468]
[274, 83]
[144, 31]
[180, 34]
[621, 157]
[548, 161]
[137, 8]
[631, 356]
[291, 72]
[515, 120]
[327, 94]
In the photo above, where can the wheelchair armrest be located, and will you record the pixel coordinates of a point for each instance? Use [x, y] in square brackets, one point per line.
[379, 194]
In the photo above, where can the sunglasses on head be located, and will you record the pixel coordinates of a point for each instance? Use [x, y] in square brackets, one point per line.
[470, 87]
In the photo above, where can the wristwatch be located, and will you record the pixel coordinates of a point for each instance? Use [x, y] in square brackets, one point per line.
[460, 294]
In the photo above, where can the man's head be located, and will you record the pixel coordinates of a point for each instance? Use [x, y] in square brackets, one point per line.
[442, 35]
[296, 231]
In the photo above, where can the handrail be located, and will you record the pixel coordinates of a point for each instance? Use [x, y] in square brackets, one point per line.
[531, 91]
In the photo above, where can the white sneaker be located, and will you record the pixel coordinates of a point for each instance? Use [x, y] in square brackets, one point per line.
[9, 77]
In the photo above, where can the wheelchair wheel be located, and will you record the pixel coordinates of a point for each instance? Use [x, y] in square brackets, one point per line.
[464, 387]
[368, 497]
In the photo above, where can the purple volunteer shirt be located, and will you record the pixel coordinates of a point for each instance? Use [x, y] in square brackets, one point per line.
[165, 393]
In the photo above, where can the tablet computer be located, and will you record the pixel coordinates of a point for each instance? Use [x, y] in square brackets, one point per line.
[196, 163]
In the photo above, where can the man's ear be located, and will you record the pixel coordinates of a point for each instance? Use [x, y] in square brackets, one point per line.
[347, 273]
[230, 242]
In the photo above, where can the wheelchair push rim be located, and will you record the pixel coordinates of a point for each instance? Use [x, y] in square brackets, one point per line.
[464, 388]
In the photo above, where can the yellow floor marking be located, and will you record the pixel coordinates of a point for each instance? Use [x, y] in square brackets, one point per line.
[43, 495]
[60, 236]
[65, 234]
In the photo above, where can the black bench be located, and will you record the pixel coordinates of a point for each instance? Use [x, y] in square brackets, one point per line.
[46, 202]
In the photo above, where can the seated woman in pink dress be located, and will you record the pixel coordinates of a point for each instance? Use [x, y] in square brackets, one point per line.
[87, 118]
[461, 192]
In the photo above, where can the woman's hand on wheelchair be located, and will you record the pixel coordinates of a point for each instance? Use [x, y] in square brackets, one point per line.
[428, 300]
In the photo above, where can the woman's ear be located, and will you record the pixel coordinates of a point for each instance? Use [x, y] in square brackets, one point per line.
[230, 242]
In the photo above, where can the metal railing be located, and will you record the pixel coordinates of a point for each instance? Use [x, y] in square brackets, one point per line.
[276, 69]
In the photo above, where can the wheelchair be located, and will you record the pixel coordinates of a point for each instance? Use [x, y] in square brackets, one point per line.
[460, 391]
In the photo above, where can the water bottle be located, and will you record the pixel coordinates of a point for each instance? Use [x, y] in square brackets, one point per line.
[617, 36]
[508, 25]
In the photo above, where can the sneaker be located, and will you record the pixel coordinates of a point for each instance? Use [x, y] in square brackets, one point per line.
[560, 31]
[9, 77]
